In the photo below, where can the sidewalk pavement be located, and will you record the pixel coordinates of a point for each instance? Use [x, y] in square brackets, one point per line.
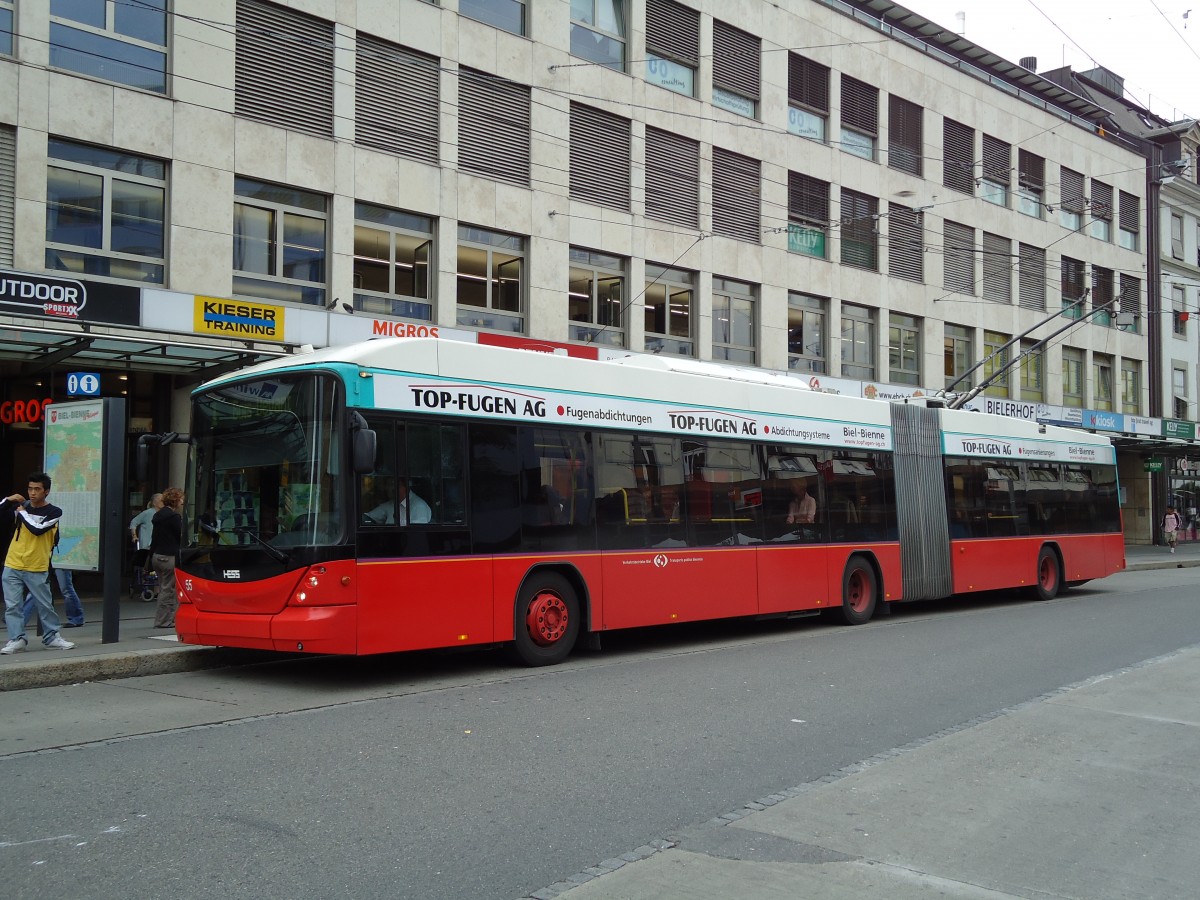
[145, 650]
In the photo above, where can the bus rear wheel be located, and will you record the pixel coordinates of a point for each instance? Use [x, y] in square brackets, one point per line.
[546, 621]
[859, 592]
[1049, 575]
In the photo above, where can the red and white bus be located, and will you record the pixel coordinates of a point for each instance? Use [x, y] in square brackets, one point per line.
[413, 493]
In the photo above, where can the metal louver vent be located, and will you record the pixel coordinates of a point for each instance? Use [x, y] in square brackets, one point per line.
[672, 178]
[906, 258]
[906, 135]
[736, 201]
[1072, 191]
[8, 169]
[1130, 212]
[284, 68]
[1131, 295]
[493, 127]
[860, 105]
[808, 83]
[673, 31]
[1102, 200]
[1031, 286]
[1031, 171]
[1072, 279]
[600, 157]
[997, 268]
[860, 240]
[958, 156]
[959, 247]
[808, 198]
[997, 159]
[396, 99]
[736, 60]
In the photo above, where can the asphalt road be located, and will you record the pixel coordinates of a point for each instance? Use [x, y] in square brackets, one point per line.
[456, 776]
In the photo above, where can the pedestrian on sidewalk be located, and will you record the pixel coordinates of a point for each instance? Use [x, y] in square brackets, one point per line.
[27, 565]
[164, 552]
[72, 605]
[141, 528]
[1171, 524]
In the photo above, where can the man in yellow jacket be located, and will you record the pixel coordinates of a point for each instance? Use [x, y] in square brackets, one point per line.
[27, 565]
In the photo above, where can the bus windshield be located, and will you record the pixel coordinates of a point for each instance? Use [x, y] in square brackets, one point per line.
[264, 464]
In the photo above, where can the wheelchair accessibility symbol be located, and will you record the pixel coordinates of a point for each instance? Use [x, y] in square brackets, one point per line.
[660, 561]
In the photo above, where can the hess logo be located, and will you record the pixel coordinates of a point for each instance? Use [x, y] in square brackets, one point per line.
[231, 573]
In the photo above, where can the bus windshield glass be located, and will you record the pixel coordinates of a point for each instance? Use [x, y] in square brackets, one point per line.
[265, 461]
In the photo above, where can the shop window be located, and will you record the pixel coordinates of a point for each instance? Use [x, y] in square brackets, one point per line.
[105, 212]
[1102, 382]
[491, 279]
[1131, 386]
[1072, 372]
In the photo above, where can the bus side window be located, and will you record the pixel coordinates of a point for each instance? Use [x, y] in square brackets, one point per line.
[377, 490]
[432, 463]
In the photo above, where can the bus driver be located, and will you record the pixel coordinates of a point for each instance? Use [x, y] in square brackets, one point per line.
[413, 509]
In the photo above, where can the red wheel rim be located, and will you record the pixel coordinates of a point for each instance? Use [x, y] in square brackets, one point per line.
[547, 618]
[858, 591]
[1046, 574]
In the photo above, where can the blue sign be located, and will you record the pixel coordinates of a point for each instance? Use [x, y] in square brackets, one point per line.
[1100, 420]
[83, 384]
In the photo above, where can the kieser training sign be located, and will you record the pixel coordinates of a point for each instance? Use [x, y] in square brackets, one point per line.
[456, 398]
[238, 319]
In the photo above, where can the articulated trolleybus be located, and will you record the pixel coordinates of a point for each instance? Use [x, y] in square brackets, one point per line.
[416, 493]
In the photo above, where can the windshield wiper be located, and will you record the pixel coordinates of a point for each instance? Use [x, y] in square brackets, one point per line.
[272, 551]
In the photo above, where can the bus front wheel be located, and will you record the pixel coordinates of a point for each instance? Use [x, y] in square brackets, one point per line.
[859, 592]
[546, 620]
[1049, 575]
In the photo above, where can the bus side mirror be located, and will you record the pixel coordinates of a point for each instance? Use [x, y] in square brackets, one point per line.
[363, 450]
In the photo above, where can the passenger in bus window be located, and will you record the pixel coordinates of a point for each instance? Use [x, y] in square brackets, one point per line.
[413, 510]
[803, 508]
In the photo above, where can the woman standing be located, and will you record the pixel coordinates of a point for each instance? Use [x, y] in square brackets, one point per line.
[164, 551]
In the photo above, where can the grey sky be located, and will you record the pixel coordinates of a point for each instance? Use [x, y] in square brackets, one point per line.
[1148, 42]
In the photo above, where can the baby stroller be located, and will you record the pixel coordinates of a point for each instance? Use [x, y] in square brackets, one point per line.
[145, 580]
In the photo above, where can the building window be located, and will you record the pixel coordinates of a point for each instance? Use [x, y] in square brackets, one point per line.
[105, 212]
[958, 156]
[507, 15]
[1131, 304]
[996, 364]
[397, 105]
[997, 170]
[8, 193]
[110, 39]
[1031, 183]
[596, 298]
[997, 268]
[669, 300]
[1032, 371]
[1071, 273]
[736, 188]
[672, 178]
[858, 342]
[860, 117]
[493, 145]
[906, 243]
[672, 46]
[808, 214]
[1179, 311]
[1102, 382]
[1179, 393]
[808, 98]
[904, 349]
[393, 252]
[6, 27]
[860, 233]
[1102, 210]
[959, 355]
[734, 321]
[737, 63]
[806, 333]
[491, 279]
[1072, 362]
[1032, 279]
[1176, 236]
[600, 157]
[1131, 386]
[958, 272]
[1103, 285]
[279, 242]
[284, 68]
[1072, 201]
[906, 135]
[598, 32]
[1129, 219]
